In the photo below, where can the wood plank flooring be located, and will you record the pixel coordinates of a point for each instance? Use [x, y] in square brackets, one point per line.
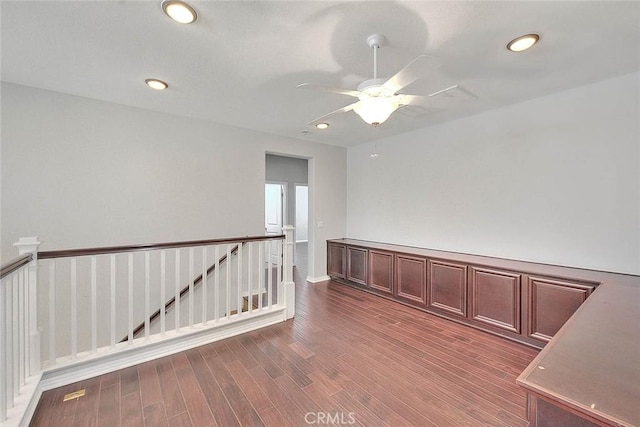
[347, 358]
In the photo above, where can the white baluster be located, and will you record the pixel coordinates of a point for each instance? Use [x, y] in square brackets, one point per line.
[260, 268]
[74, 308]
[278, 283]
[130, 299]
[216, 283]
[8, 368]
[25, 317]
[4, 362]
[239, 278]
[269, 275]
[52, 312]
[203, 285]
[113, 301]
[249, 274]
[191, 279]
[21, 320]
[176, 304]
[147, 296]
[94, 305]
[228, 310]
[16, 338]
[163, 283]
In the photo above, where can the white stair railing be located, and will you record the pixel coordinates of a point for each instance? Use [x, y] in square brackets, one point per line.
[88, 305]
[19, 341]
[97, 296]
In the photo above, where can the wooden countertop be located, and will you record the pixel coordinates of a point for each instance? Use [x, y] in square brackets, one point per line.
[592, 364]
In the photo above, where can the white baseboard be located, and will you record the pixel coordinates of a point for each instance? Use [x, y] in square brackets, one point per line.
[318, 279]
[126, 355]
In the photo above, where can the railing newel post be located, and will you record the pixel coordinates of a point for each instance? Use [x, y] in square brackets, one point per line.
[287, 266]
[30, 245]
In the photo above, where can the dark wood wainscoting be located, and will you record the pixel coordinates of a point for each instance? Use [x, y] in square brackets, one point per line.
[523, 301]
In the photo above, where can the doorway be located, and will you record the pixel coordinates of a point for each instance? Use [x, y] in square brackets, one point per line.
[275, 212]
[293, 173]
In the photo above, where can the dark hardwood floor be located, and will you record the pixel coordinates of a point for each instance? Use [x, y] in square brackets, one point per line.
[347, 358]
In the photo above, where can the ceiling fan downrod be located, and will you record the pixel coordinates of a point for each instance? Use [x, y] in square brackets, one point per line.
[375, 41]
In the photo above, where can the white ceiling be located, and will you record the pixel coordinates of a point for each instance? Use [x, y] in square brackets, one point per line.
[240, 63]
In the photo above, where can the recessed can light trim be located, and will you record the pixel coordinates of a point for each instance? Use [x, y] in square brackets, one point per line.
[179, 11]
[523, 42]
[322, 126]
[156, 84]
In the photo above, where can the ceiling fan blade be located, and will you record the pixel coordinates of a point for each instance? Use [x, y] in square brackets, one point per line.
[455, 91]
[451, 94]
[414, 100]
[409, 74]
[340, 110]
[319, 88]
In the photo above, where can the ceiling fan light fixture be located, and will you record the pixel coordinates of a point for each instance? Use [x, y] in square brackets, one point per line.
[322, 126]
[523, 42]
[376, 109]
[156, 84]
[179, 11]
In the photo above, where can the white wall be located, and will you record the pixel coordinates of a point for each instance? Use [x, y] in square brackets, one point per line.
[79, 172]
[554, 180]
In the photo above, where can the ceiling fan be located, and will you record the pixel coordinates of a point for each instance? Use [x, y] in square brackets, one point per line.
[378, 97]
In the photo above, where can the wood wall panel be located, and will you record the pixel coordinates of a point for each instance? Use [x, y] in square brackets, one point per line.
[551, 303]
[411, 275]
[495, 298]
[447, 284]
[357, 265]
[381, 271]
[336, 260]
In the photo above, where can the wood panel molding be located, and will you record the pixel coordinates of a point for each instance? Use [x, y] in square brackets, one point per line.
[496, 297]
[447, 284]
[551, 303]
[381, 271]
[411, 278]
[336, 260]
[357, 265]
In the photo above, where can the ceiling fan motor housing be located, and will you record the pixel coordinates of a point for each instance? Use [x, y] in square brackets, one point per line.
[376, 40]
[373, 87]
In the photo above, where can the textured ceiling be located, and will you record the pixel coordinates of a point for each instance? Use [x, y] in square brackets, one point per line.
[240, 63]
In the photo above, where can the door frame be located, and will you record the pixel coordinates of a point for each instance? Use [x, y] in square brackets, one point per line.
[311, 183]
[295, 189]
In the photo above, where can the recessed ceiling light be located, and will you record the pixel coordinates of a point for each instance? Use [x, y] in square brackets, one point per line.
[179, 11]
[523, 42]
[156, 84]
[322, 126]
